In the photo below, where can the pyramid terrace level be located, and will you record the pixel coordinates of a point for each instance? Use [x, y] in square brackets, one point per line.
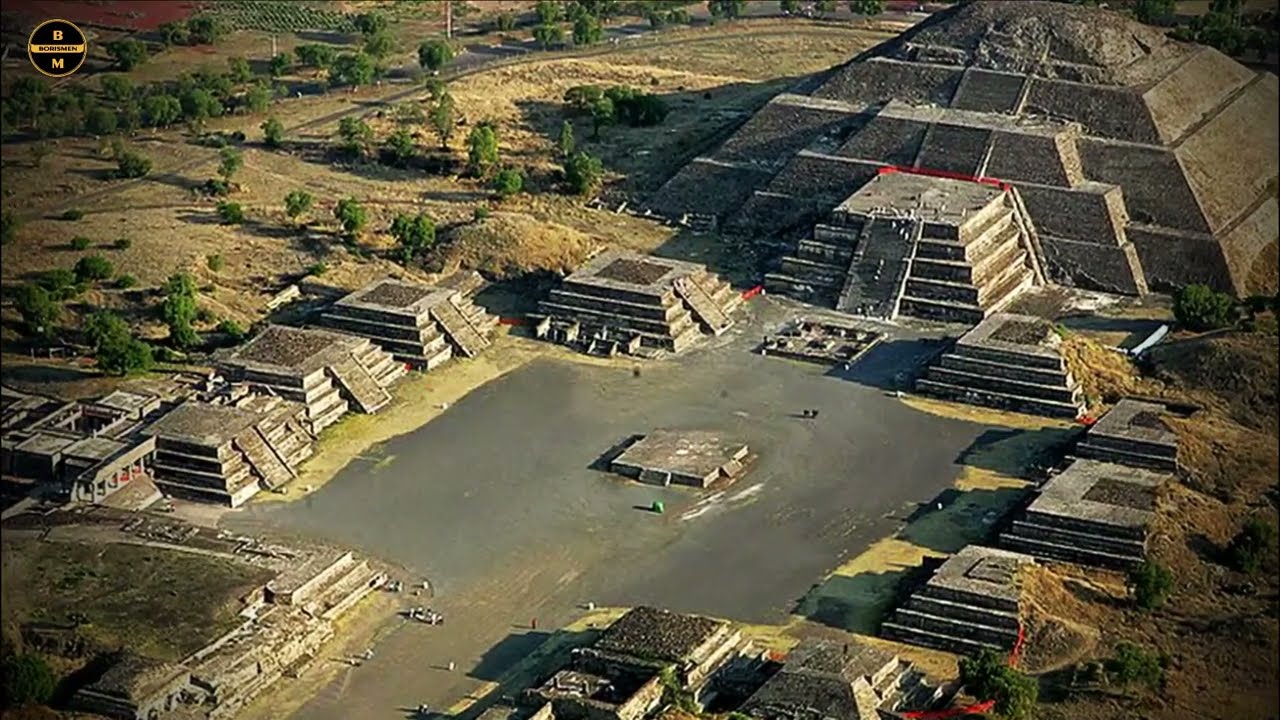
[424, 325]
[622, 302]
[1133, 432]
[684, 457]
[328, 372]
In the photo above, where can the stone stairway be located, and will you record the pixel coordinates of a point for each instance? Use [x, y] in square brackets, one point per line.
[262, 459]
[704, 307]
[468, 341]
[356, 381]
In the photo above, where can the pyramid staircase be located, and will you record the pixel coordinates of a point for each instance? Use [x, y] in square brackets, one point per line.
[703, 305]
[459, 329]
[262, 459]
[360, 385]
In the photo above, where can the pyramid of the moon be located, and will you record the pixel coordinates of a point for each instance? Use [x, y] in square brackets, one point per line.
[1142, 162]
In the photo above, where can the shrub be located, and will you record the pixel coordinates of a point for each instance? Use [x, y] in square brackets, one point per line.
[272, 132]
[71, 214]
[989, 677]
[416, 234]
[351, 215]
[179, 309]
[480, 213]
[93, 267]
[1150, 583]
[297, 202]
[1198, 307]
[80, 242]
[118, 352]
[230, 212]
[232, 329]
[317, 269]
[9, 224]
[1133, 665]
[38, 309]
[508, 182]
[132, 165]
[433, 55]
[1251, 545]
[482, 149]
[60, 282]
[28, 679]
[582, 172]
[214, 262]
[122, 243]
[126, 281]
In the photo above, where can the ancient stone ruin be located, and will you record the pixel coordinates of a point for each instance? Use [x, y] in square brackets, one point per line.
[973, 601]
[1133, 432]
[684, 457]
[626, 302]
[829, 341]
[423, 325]
[1142, 161]
[908, 244]
[1010, 362]
[1092, 513]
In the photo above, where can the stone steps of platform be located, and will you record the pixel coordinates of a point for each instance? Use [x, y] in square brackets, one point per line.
[1067, 553]
[815, 272]
[943, 625]
[1034, 376]
[650, 308]
[1084, 526]
[991, 602]
[367, 394]
[842, 235]
[1055, 393]
[994, 236]
[891, 630]
[262, 459]
[801, 289]
[658, 328]
[1109, 541]
[1163, 451]
[708, 312]
[1001, 401]
[999, 291]
[1006, 357]
[1091, 451]
[376, 331]
[835, 250]
[963, 611]
[469, 342]
[941, 310]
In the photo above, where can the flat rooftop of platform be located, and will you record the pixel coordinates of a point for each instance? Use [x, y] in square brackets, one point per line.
[658, 634]
[633, 272]
[1101, 492]
[203, 424]
[289, 350]
[95, 448]
[129, 402]
[397, 297]
[45, 444]
[683, 452]
[933, 199]
[982, 570]
[1132, 419]
[1008, 332]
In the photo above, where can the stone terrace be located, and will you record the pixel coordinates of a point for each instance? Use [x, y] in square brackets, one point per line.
[1007, 361]
[685, 457]
[1134, 433]
[1092, 513]
[657, 634]
[972, 602]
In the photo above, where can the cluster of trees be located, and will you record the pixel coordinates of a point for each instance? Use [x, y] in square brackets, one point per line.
[197, 30]
[1225, 27]
[180, 310]
[415, 233]
[585, 19]
[988, 676]
[1252, 546]
[117, 350]
[619, 103]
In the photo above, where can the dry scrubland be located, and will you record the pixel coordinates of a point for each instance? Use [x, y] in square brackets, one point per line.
[171, 228]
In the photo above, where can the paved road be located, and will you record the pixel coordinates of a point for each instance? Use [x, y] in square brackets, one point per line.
[495, 502]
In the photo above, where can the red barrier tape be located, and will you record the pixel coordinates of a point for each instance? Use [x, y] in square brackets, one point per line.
[976, 708]
[511, 321]
[753, 292]
[890, 169]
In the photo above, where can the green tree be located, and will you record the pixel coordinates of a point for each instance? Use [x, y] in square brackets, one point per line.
[128, 53]
[371, 23]
[230, 213]
[40, 151]
[199, 105]
[231, 328]
[565, 143]
[1198, 307]
[444, 119]
[866, 7]
[239, 70]
[230, 160]
[9, 224]
[379, 45]
[215, 262]
[1250, 547]
[415, 233]
[258, 97]
[179, 310]
[353, 69]
[60, 282]
[117, 88]
[824, 7]
[91, 268]
[603, 114]
[280, 64]
[205, 29]
[790, 7]
[1154, 12]
[548, 12]
[132, 165]
[297, 203]
[434, 54]
[272, 132]
[505, 22]
[101, 121]
[586, 30]
[80, 242]
[725, 8]
[482, 149]
[508, 182]
[174, 33]
[355, 135]
[400, 146]
[161, 110]
[988, 676]
[582, 172]
[1132, 664]
[28, 680]
[39, 312]
[351, 215]
[315, 55]
[1150, 584]
[548, 34]
[118, 352]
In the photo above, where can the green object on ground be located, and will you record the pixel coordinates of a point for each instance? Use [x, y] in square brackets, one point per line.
[658, 507]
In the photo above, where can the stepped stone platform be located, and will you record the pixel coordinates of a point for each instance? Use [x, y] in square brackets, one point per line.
[972, 602]
[1093, 513]
[827, 341]
[848, 680]
[911, 244]
[623, 302]
[328, 372]
[684, 457]
[423, 325]
[1010, 362]
[1134, 433]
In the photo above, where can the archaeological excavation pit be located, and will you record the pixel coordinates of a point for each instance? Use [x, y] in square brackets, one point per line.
[828, 341]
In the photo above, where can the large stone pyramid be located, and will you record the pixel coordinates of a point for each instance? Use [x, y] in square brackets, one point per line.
[1143, 161]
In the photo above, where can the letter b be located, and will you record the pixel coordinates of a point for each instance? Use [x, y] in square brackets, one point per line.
[57, 35]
